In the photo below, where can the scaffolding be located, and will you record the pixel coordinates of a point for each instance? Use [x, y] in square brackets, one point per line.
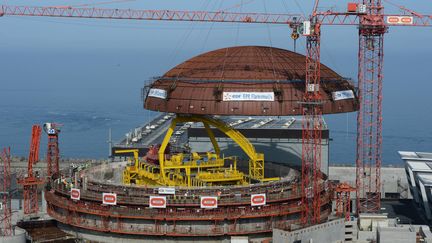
[343, 200]
[182, 215]
[6, 223]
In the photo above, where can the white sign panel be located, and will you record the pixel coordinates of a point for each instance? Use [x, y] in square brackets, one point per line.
[313, 87]
[306, 28]
[248, 96]
[362, 8]
[343, 95]
[258, 199]
[208, 202]
[166, 190]
[109, 198]
[400, 20]
[75, 194]
[157, 202]
[157, 93]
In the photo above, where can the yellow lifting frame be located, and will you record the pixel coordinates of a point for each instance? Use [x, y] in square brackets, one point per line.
[256, 164]
[135, 153]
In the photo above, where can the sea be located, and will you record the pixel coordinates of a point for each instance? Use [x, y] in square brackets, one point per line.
[84, 131]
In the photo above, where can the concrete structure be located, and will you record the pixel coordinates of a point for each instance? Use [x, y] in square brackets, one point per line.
[332, 231]
[418, 167]
[19, 236]
[393, 180]
[182, 219]
[396, 235]
[381, 229]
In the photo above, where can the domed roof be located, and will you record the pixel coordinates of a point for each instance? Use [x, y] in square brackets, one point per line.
[246, 63]
[245, 80]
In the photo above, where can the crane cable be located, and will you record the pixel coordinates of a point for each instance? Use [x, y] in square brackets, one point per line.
[271, 45]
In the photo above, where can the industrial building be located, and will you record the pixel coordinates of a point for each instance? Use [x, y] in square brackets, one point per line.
[418, 168]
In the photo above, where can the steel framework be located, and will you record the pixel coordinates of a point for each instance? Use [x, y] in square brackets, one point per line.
[30, 182]
[369, 118]
[6, 223]
[312, 130]
[343, 200]
[325, 18]
[53, 155]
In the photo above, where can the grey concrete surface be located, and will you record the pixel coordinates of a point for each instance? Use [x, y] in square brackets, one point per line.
[329, 232]
[19, 236]
[393, 180]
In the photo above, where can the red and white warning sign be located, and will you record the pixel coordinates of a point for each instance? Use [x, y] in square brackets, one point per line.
[208, 202]
[258, 199]
[75, 194]
[109, 198]
[408, 20]
[157, 202]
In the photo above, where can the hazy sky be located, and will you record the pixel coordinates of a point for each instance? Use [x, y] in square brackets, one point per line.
[100, 65]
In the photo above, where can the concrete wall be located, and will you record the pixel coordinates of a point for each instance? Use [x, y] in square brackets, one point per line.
[18, 237]
[396, 235]
[329, 232]
[393, 180]
[112, 238]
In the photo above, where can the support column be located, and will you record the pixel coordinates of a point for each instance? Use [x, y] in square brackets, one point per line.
[413, 185]
[425, 201]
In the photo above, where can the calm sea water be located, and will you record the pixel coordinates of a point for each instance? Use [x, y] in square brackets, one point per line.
[85, 131]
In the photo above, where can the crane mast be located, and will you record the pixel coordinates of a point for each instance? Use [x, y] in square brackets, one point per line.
[30, 182]
[369, 119]
[312, 125]
[6, 193]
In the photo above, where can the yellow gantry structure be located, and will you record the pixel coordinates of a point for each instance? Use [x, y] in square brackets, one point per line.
[197, 169]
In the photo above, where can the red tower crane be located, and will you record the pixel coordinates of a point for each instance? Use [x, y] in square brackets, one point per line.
[368, 15]
[369, 119]
[312, 124]
[30, 182]
[6, 219]
[53, 155]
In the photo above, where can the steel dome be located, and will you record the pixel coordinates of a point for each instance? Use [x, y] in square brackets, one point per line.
[245, 80]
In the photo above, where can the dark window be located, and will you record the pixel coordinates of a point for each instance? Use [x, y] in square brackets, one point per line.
[393, 195]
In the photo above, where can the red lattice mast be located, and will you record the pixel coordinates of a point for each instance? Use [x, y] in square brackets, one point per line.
[6, 223]
[312, 124]
[369, 120]
[30, 182]
[53, 155]
[343, 200]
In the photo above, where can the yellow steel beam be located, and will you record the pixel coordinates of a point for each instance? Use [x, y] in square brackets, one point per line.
[212, 139]
[256, 165]
[161, 152]
[135, 153]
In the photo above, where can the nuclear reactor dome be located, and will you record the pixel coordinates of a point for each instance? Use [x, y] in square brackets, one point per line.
[246, 80]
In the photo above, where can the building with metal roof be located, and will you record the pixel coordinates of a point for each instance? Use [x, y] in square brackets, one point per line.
[418, 166]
